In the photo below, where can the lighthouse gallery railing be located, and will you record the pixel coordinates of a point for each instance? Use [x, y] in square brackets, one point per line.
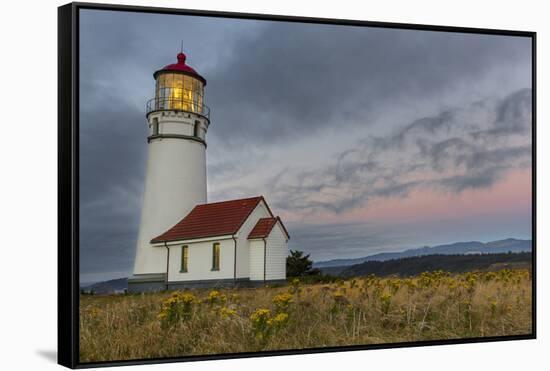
[159, 104]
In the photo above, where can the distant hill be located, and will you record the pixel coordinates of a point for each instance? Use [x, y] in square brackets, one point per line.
[474, 247]
[107, 287]
[451, 263]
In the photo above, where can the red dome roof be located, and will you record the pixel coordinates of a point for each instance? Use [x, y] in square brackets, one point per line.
[181, 67]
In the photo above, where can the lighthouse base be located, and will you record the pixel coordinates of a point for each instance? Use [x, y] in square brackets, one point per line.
[152, 282]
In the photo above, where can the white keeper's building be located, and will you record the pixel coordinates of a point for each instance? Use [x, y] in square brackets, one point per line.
[184, 241]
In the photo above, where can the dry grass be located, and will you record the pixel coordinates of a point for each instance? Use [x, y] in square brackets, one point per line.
[366, 310]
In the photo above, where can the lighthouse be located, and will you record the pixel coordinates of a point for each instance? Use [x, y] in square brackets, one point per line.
[175, 182]
[184, 241]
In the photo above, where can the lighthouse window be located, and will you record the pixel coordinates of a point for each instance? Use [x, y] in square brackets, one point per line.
[196, 128]
[155, 126]
[188, 83]
[216, 256]
[184, 258]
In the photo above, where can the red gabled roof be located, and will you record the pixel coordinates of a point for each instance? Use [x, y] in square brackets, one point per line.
[214, 219]
[263, 228]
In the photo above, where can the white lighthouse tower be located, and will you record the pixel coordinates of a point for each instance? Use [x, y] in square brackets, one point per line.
[175, 182]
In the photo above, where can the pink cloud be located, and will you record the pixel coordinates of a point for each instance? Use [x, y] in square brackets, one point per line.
[510, 195]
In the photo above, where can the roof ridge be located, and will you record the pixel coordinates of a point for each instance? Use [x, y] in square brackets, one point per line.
[227, 201]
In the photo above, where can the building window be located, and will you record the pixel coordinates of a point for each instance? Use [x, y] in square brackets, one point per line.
[216, 256]
[184, 258]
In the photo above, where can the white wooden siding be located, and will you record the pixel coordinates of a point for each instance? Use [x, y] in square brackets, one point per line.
[199, 263]
[243, 249]
[277, 251]
[256, 260]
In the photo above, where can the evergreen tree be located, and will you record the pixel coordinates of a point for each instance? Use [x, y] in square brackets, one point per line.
[298, 264]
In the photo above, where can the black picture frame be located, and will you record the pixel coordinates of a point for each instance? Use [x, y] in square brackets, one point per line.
[68, 180]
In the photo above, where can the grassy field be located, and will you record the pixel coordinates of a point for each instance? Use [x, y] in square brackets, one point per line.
[368, 310]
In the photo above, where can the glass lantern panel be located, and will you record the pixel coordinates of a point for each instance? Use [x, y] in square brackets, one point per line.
[179, 92]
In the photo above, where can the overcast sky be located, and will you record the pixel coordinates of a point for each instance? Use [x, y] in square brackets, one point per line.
[362, 139]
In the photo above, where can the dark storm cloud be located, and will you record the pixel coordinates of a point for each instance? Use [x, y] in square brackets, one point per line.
[272, 80]
[445, 152]
[111, 183]
[269, 82]
[305, 78]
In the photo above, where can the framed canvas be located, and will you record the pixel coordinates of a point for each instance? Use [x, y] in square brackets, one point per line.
[243, 185]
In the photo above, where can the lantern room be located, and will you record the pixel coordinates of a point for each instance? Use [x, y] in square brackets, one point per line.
[179, 88]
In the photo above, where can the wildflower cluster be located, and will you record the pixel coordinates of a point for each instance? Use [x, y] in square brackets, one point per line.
[178, 307]
[411, 285]
[260, 323]
[264, 324]
[215, 297]
[385, 302]
[225, 312]
[282, 301]
[432, 279]
[394, 284]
